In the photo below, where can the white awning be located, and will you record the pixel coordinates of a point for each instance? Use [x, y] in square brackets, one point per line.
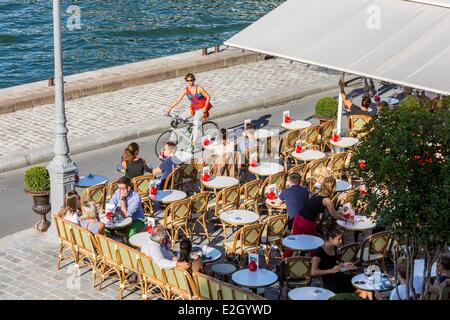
[398, 41]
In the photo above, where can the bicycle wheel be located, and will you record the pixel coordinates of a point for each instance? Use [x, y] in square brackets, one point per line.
[166, 136]
[210, 128]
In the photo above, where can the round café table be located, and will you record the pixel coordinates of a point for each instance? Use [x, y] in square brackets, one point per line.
[254, 279]
[237, 218]
[212, 254]
[220, 182]
[223, 270]
[296, 125]
[265, 169]
[341, 185]
[263, 134]
[302, 242]
[309, 155]
[364, 283]
[140, 239]
[345, 142]
[390, 101]
[310, 293]
[184, 156]
[360, 224]
[117, 226]
[168, 196]
[91, 180]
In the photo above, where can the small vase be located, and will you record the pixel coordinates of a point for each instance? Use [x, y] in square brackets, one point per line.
[42, 207]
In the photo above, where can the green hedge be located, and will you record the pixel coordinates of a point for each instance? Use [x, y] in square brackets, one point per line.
[37, 179]
[327, 107]
[345, 296]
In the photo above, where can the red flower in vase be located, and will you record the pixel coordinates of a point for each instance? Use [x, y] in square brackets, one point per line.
[362, 164]
[153, 191]
[287, 119]
[149, 229]
[77, 178]
[335, 138]
[205, 141]
[108, 215]
[298, 149]
[205, 177]
[252, 266]
[271, 195]
[253, 163]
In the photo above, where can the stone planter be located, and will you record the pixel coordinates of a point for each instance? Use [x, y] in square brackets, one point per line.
[42, 207]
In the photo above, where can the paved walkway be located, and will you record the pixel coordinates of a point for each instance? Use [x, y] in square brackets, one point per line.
[31, 128]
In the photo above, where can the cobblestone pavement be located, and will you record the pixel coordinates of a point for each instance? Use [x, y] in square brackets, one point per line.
[30, 128]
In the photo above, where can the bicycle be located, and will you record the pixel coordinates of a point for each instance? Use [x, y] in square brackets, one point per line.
[182, 137]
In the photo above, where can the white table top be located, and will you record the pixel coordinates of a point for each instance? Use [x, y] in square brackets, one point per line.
[121, 225]
[368, 283]
[139, 239]
[419, 265]
[263, 134]
[310, 293]
[345, 142]
[168, 196]
[309, 155]
[361, 223]
[212, 254]
[297, 125]
[239, 217]
[183, 156]
[341, 185]
[254, 279]
[302, 242]
[390, 100]
[220, 182]
[266, 169]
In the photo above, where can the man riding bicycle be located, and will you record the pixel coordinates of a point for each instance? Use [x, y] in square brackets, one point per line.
[200, 104]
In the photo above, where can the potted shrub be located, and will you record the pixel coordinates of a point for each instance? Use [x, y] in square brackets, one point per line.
[37, 184]
[345, 296]
[326, 109]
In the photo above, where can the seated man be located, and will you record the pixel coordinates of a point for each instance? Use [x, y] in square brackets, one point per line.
[352, 108]
[169, 163]
[130, 204]
[295, 198]
[157, 249]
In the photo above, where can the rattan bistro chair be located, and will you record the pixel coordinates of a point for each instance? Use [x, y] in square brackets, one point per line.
[141, 185]
[180, 285]
[109, 265]
[199, 212]
[375, 248]
[176, 218]
[287, 146]
[249, 195]
[336, 164]
[294, 272]
[63, 229]
[154, 281]
[273, 233]
[245, 240]
[96, 194]
[356, 124]
[326, 131]
[175, 179]
[349, 252]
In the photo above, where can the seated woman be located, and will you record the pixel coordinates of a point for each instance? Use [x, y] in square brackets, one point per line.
[228, 161]
[305, 220]
[133, 165]
[195, 265]
[89, 219]
[71, 209]
[326, 264]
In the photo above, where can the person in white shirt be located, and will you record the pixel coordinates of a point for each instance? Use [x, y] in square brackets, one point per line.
[250, 141]
[399, 293]
[70, 211]
[157, 249]
[228, 161]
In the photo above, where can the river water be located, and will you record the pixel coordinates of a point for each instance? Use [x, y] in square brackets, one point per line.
[98, 34]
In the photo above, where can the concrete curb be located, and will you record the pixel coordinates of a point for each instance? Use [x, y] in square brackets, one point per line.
[123, 76]
[135, 131]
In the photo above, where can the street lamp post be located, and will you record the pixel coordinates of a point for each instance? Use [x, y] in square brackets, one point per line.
[62, 169]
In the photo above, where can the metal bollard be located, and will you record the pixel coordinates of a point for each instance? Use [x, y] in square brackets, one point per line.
[217, 48]
[205, 52]
[51, 81]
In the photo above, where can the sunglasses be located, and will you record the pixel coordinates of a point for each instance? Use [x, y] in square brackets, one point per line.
[189, 80]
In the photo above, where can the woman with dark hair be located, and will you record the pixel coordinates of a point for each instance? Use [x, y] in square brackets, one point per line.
[200, 103]
[195, 265]
[326, 264]
[132, 164]
[71, 208]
